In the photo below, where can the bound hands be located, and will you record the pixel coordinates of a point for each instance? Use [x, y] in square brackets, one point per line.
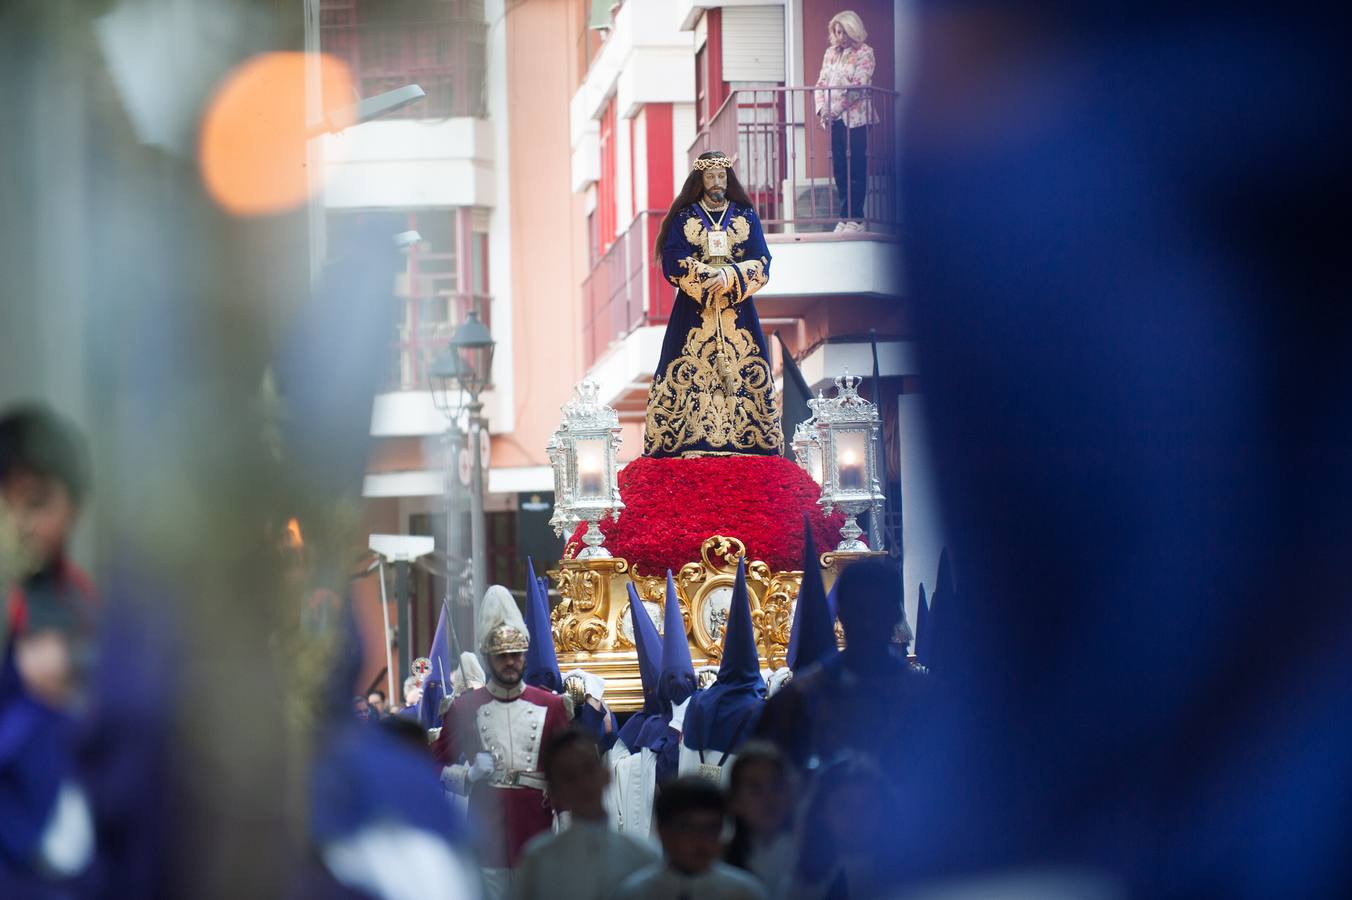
[717, 280]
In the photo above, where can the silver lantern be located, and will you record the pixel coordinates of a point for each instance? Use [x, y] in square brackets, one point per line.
[583, 455]
[847, 434]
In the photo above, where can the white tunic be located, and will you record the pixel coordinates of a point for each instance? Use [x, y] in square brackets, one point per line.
[586, 861]
[632, 794]
[720, 882]
[690, 763]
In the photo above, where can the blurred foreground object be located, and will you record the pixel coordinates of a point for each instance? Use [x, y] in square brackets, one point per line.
[1135, 325]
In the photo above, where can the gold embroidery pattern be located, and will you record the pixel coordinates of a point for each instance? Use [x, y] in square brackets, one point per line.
[753, 273]
[694, 402]
[719, 390]
[701, 286]
[739, 229]
[694, 232]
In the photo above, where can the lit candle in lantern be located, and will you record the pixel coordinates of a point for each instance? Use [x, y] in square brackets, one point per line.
[589, 474]
[851, 470]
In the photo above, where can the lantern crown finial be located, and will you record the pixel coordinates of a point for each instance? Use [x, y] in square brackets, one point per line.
[585, 410]
[847, 385]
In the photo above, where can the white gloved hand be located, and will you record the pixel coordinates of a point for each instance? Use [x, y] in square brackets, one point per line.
[482, 767]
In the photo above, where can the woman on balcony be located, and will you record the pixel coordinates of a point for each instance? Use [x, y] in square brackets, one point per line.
[848, 111]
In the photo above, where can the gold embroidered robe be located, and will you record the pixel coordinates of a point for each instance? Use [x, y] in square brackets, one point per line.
[713, 392]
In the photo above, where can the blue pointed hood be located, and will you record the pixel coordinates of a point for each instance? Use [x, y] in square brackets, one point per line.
[741, 662]
[443, 658]
[443, 653]
[922, 628]
[677, 681]
[723, 716]
[813, 638]
[648, 646]
[542, 664]
[937, 643]
[366, 776]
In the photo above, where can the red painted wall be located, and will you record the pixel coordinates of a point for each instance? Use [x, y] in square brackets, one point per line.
[605, 186]
[660, 163]
[661, 191]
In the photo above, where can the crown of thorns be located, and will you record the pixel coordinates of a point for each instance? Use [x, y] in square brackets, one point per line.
[713, 162]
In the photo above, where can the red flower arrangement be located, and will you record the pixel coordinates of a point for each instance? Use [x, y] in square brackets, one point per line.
[671, 506]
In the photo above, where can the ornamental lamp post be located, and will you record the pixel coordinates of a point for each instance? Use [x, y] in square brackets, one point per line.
[585, 467]
[807, 448]
[847, 434]
[443, 378]
[467, 370]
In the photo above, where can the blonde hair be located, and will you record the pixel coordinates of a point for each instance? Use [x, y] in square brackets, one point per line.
[849, 20]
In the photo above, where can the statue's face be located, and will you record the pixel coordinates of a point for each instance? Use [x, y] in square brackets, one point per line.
[715, 185]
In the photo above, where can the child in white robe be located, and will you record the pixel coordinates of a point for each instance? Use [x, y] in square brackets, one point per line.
[588, 859]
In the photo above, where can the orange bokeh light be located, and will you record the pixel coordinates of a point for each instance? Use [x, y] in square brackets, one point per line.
[254, 134]
[294, 539]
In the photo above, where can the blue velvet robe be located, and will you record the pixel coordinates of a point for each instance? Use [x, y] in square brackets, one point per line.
[713, 392]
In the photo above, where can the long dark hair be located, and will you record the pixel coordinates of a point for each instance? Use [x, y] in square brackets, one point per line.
[691, 191]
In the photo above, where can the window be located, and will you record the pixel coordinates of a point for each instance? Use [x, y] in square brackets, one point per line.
[430, 295]
[437, 44]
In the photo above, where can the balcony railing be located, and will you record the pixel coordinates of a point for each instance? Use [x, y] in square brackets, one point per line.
[786, 163]
[625, 289]
[427, 310]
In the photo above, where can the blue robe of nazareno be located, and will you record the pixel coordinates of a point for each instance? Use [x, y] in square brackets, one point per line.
[713, 392]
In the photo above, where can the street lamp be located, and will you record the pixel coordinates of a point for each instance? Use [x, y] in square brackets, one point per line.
[586, 468]
[847, 433]
[443, 377]
[457, 380]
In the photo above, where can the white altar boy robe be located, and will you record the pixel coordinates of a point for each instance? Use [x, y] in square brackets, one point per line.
[585, 861]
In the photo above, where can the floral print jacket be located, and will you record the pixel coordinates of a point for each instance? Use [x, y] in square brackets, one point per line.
[841, 70]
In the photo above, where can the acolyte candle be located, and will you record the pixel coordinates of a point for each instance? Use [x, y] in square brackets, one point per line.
[590, 483]
[850, 468]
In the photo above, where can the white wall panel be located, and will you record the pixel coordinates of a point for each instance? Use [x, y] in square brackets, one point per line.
[640, 152]
[753, 43]
[624, 207]
[825, 266]
[682, 136]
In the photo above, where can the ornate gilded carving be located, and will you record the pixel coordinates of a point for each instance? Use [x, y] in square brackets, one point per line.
[585, 588]
[651, 589]
[774, 619]
[587, 620]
